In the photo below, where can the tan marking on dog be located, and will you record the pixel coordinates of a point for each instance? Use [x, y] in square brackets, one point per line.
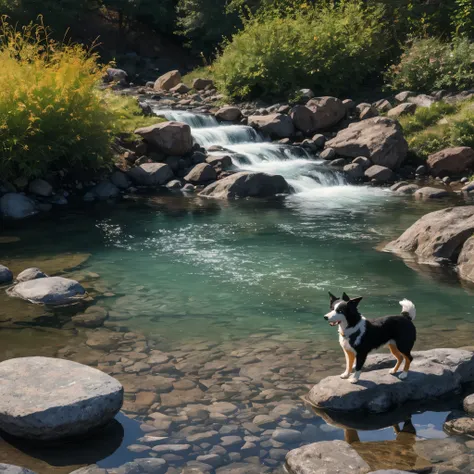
[398, 355]
[407, 364]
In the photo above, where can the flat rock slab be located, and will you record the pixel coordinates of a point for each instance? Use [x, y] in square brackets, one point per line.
[11, 469]
[326, 457]
[51, 291]
[42, 398]
[433, 374]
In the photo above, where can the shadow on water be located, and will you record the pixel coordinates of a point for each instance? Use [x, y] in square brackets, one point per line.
[106, 447]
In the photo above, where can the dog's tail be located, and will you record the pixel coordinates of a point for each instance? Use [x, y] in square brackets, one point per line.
[408, 309]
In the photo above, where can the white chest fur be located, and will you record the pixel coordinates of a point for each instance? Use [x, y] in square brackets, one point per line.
[345, 333]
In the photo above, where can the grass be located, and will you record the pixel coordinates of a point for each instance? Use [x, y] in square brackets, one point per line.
[203, 72]
[440, 126]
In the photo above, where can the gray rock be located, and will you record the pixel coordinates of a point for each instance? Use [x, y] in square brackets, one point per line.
[151, 174]
[408, 189]
[404, 96]
[200, 84]
[459, 424]
[93, 317]
[354, 171]
[368, 112]
[50, 291]
[363, 161]
[11, 469]
[338, 163]
[213, 460]
[172, 448]
[379, 174]
[105, 190]
[306, 93]
[245, 184]
[383, 105]
[6, 276]
[142, 466]
[437, 236]
[380, 139]
[167, 81]
[239, 468]
[30, 274]
[188, 188]
[287, 436]
[40, 187]
[451, 161]
[116, 75]
[438, 450]
[421, 170]
[17, 206]
[422, 100]
[432, 193]
[398, 185]
[327, 154]
[221, 161]
[91, 469]
[170, 138]
[120, 180]
[326, 457]
[328, 111]
[468, 404]
[229, 113]
[275, 125]
[174, 184]
[180, 89]
[390, 471]
[469, 188]
[433, 374]
[402, 109]
[202, 173]
[47, 399]
[319, 140]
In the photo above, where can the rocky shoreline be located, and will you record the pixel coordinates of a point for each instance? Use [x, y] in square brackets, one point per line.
[363, 142]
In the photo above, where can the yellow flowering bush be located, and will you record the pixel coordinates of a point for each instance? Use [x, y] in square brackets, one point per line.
[52, 116]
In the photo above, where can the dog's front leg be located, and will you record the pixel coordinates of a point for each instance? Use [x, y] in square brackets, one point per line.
[360, 361]
[350, 358]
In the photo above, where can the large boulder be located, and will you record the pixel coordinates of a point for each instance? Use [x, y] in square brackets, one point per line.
[180, 89]
[429, 192]
[229, 113]
[28, 274]
[201, 174]
[17, 206]
[42, 398]
[151, 174]
[437, 236]
[116, 75]
[245, 184]
[379, 174]
[200, 84]
[402, 109]
[50, 291]
[466, 260]
[451, 161]
[380, 139]
[221, 161]
[326, 457]
[171, 138]
[40, 187]
[6, 275]
[433, 374]
[105, 190]
[168, 81]
[319, 113]
[274, 125]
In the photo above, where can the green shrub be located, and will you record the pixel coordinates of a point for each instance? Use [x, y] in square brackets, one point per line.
[431, 64]
[52, 116]
[330, 49]
[446, 126]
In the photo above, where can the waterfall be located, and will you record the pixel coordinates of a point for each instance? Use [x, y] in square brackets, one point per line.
[250, 152]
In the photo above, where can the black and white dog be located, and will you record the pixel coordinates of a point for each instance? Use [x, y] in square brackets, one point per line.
[359, 336]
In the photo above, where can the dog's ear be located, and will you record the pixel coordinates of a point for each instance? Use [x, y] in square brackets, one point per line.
[332, 298]
[355, 301]
[345, 297]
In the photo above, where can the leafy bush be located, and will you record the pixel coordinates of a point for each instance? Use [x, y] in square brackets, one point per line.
[429, 131]
[328, 48]
[52, 116]
[431, 64]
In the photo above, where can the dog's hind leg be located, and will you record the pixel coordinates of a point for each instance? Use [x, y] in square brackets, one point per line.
[398, 355]
[350, 358]
[408, 358]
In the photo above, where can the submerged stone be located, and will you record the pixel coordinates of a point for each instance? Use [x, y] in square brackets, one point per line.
[42, 398]
[11, 469]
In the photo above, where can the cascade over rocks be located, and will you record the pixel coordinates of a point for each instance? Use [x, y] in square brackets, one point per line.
[245, 184]
[275, 125]
[380, 139]
[171, 138]
[433, 374]
[438, 236]
[42, 398]
[168, 81]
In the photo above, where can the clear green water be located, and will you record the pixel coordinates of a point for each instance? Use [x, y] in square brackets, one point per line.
[187, 267]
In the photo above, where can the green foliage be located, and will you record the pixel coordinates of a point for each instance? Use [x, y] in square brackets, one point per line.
[429, 131]
[462, 18]
[52, 116]
[329, 49]
[431, 64]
